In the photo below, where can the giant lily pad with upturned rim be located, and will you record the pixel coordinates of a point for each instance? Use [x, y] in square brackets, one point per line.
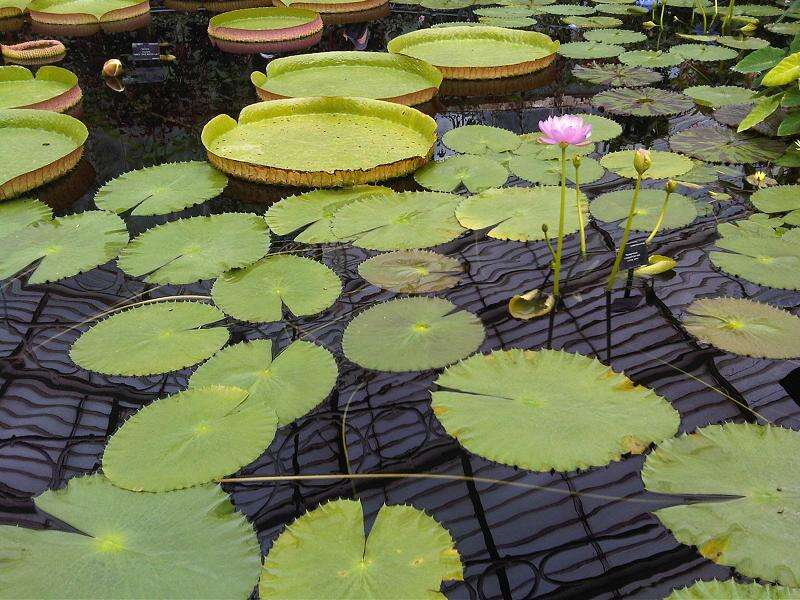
[642, 102]
[86, 12]
[52, 88]
[614, 206]
[320, 142]
[665, 164]
[412, 334]
[337, 11]
[265, 29]
[481, 52]
[378, 75]
[508, 406]
[616, 75]
[36, 147]
[743, 484]
[411, 271]
[715, 144]
[190, 543]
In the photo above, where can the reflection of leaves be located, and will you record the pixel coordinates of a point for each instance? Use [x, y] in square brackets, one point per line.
[714, 144]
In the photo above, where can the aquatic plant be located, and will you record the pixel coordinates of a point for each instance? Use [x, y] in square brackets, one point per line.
[475, 173]
[669, 189]
[781, 90]
[411, 271]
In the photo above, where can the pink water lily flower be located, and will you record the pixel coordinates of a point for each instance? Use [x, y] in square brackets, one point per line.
[568, 130]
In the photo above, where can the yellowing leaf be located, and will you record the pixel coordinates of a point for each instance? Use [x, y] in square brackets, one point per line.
[784, 72]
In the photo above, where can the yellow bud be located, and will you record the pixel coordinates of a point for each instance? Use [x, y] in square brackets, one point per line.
[672, 185]
[647, 25]
[642, 160]
[576, 161]
[748, 28]
[112, 68]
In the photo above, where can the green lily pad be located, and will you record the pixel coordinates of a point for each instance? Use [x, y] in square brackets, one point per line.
[403, 221]
[619, 9]
[476, 173]
[508, 22]
[412, 334]
[258, 293]
[532, 147]
[411, 271]
[312, 212]
[188, 250]
[48, 89]
[616, 75]
[19, 213]
[757, 10]
[548, 172]
[642, 102]
[756, 253]
[777, 199]
[603, 128]
[719, 95]
[503, 12]
[589, 50]
[79, 8]
[151, 339]
[190, 438]
[190, 543]
[592, 22]
[480, 139]
[292, 383]
[64, 246]
[784, 28]
[708, 173]
[615, 36]
[161, 189]
[759, 60]
[703, 52]
[755, 529]
[614, 206]
[744, 327]
[715, 144]
[665, 164]
[650, 58]
[566, 9]
[519, 213]
[445, 4]
[742, 43]
[407, 555]
[509, 406]
[714, 590]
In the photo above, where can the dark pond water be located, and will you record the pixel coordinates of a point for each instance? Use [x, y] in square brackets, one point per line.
[577, 535]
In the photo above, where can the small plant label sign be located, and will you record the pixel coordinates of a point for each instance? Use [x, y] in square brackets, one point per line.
[636, 255]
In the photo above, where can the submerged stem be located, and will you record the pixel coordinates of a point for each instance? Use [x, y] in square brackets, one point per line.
[625, 234]
[561, 215]
[660, 219]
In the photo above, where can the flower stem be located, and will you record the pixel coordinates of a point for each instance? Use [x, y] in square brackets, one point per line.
[660, 219]
[579, 208]
[561, 216]
[625, 235]
[728, 17]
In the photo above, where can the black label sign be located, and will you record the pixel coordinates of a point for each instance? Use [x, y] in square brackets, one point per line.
[635, 255]
[144, 51]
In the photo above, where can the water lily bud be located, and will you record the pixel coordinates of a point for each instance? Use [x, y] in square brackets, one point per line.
[647, 25]
[642, 160]
[576, 161]
[112, 68]
[544, 229]
[672, 185]
[748, 28]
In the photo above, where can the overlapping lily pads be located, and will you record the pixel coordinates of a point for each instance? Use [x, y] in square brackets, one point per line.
[291, 383]
[52, 88]
[189, 543]
[719, 95]
[151, 339]
[532, 147]
[475, 173]
[548, 172]
[744, 327]
[197, 248]
[161, 189]
[412, 334]
[509, 406]
[614, 206]
[411, 271]
[406, 551]
[259, 292]
[703, 52]
[19, 213]
[61, 247]
[616, 75]
[480, 139]
[518, 213]
[665, 164]
[748, 472]
[715, 144]
[642, 102]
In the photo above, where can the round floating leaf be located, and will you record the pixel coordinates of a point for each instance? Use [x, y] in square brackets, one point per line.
[755, 529]
[589, 50]
[411, 271]
[614, 206]
[592, 22]
[650, 58]
[665, 164]
[757, 10]
[566, 9]
[412, 334]
[715, 144]
[503, 12]
[642, 102]
[151, 339]
[518, 213]
[744, 327]
[714, 590]
[187, 250]
[407, 555]
[161, 189]
[402, 221]
[291, 384]
[708, 173]
[784, 28]
[64, 246]
[508, 22]
[756, 253]
[476, 173]
[777, 199]
[313, 212]
[602, 128]
[192, 437]
[619, 9]
[743, 43]
[703, 52]
[509, 407]
[548, 172]
[719, 95]
[258, 293]
[532, 147]
[19, 213]
[615, 36]
[616, 75]
[480, 139]
[186, 543]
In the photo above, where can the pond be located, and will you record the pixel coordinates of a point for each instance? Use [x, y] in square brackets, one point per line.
[354, 388]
